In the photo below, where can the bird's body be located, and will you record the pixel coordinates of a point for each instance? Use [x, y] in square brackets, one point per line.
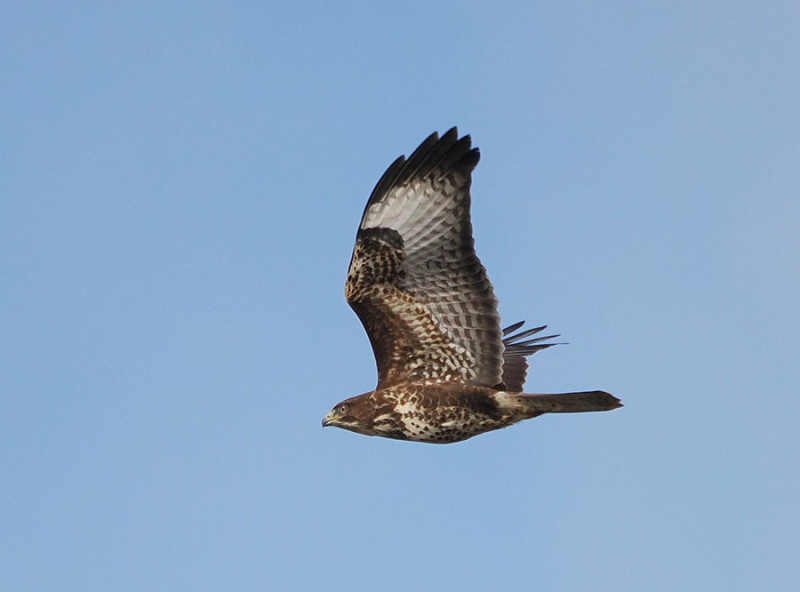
[435, 413]
[445, 413]
[446, 371]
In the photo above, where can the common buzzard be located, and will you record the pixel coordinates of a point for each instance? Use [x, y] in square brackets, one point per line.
[446, 371]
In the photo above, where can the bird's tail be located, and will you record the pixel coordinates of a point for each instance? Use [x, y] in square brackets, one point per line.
[533, 405]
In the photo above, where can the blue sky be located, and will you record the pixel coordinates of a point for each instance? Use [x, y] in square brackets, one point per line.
[180, 187]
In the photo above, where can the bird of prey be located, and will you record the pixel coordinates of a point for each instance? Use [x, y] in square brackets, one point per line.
[446, 371]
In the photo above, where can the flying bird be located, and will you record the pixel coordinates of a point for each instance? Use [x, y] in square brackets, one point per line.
[446, 370]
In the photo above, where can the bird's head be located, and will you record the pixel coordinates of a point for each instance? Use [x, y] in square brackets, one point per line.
[354, 414]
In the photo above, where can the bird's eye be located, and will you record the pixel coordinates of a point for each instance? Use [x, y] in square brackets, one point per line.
[342, 409]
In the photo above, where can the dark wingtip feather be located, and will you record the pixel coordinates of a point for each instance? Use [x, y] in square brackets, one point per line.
[515, 345]
[514, 327]
[517, 349]
[441, 154]
[388, 179]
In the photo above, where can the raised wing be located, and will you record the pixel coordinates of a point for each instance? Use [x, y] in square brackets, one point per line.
[414, 279]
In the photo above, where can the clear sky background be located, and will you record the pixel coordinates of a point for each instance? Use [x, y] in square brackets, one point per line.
[180, 185]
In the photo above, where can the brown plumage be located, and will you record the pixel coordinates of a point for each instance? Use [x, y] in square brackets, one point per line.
[446, 372]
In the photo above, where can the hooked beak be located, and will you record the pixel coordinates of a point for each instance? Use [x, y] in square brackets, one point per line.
[327, 421]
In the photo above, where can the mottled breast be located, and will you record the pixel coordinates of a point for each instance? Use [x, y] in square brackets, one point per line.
[441, 413]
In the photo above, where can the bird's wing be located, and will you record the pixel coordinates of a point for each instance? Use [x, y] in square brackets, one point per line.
[517, 349]
[415, 280]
